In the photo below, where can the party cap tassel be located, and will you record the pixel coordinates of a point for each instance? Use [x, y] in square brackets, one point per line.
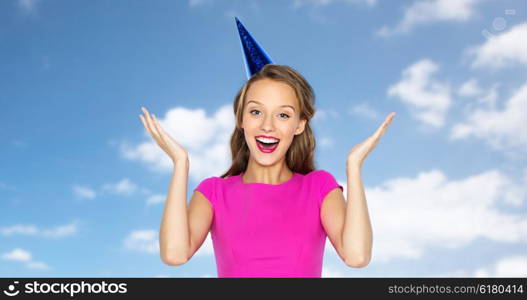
[254, 55]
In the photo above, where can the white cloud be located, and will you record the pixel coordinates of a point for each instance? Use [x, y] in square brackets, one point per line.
[316, 13]
[24, 256]
[325, 142]
[299, 3]
[56, 232]
[155, 199]
[17, 255]
[28, 6]
[147, 241]
[143, 241]
[411, 215]
[364, 110]
[206, 249]
[470, 88]
[251, 6]
[206, 139]
[231, 13]
[37, 265]
[19, 229]
[430, 11]
[60, 231]
[477, 97]
[333, 272]
[454, 273]
[427, 99]
[329, 251]
[345, 186]
[490, 97]
[512, 266]
[196, 2]
[124, 187]
[501, 129]
[506, 49]
[324, 114]
[84, 192]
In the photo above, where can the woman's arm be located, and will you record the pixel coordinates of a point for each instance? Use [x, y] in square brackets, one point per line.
[174, 237]
[357, 237]
[174, 233]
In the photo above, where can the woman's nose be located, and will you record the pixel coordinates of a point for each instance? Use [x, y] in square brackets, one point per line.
[268, 123]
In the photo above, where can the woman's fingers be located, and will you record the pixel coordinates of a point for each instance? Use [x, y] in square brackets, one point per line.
[158, 127]
[144, 122]
[175, 151]
[143, 119]
[150, 124]
[380, 131]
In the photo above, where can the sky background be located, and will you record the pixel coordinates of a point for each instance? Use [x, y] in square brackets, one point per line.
[83, 185]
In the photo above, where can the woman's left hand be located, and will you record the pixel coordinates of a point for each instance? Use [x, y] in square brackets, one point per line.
[359, 152]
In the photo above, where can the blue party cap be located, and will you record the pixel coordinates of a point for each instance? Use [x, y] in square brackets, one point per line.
[254, 55]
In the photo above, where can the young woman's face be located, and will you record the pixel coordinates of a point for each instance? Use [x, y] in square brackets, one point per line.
[272, 110]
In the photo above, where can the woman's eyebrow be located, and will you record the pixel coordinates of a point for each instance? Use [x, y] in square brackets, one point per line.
[280, 106]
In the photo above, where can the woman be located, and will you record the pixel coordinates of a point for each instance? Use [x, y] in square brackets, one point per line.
[270, 213]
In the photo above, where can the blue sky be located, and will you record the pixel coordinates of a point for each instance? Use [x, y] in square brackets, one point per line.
[82, 184]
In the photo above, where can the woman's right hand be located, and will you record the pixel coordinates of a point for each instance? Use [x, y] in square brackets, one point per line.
[175, 151]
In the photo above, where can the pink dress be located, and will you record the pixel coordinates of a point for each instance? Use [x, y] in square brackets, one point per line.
[268, 230]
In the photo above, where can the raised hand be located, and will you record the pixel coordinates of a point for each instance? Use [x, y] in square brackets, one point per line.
[359, 152]
[174, 150]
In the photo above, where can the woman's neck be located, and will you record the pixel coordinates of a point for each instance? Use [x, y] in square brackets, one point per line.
[276, 174]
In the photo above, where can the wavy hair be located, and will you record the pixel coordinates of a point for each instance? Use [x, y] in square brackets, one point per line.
[300, 155]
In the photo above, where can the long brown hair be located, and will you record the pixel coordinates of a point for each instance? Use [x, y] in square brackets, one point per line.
[300, 155]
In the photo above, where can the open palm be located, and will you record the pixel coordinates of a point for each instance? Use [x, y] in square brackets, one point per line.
[359, 152]
[174, 150]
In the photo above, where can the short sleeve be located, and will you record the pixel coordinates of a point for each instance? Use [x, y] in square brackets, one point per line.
[207, 188]
[327, 184]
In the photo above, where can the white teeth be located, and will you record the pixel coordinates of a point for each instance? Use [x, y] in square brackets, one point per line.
[266, 140]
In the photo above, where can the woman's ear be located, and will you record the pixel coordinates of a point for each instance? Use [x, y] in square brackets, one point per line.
[301, 127]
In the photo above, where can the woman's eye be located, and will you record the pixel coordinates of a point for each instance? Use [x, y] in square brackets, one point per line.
[282, 114]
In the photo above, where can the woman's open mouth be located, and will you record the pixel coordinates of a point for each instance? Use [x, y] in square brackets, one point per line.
[267, 147]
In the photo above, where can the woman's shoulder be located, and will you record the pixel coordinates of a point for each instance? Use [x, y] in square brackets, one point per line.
[324, 181]
[208, 179]
[321, 177]
[320, 173]
[218, 179]
[208, 183]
